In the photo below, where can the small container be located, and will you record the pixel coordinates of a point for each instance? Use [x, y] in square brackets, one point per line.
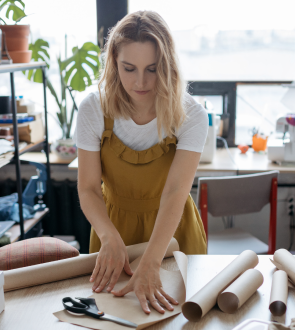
[259, 143]
[5, 104]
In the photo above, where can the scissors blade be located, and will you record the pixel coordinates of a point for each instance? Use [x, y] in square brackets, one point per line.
[118, 320]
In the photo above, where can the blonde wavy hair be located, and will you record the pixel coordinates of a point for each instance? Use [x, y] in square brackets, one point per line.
[142, 26]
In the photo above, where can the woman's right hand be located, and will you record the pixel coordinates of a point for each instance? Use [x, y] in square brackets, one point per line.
[110, 261]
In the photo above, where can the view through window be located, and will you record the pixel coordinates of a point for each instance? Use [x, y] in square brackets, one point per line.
[233, 40]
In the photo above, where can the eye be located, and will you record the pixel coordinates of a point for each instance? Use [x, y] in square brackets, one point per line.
[152, 70]
[128, 70]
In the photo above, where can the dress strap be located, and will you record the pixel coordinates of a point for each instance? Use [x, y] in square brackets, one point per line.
[108, 124]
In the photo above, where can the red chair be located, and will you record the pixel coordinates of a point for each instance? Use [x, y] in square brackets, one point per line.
[233, 195]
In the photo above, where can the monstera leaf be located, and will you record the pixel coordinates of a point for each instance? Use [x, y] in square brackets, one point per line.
[75, 67]
[16, 10]
[39, 52]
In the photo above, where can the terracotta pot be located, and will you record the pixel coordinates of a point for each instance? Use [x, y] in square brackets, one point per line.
[21, 56]
[17, 42]
[12, 31]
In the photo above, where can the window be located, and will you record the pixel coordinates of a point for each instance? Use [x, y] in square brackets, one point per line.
[234, 41]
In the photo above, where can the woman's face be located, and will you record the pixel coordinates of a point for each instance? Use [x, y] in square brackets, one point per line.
[137, 70]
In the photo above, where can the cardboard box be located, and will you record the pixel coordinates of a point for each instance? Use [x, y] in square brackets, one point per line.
[2, 303]
[30, 132]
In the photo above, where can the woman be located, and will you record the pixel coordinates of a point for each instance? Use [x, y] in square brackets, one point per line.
[143, 135]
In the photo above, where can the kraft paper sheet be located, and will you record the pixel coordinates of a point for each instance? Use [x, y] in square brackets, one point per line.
[233, 297]
[128, 307]
[205, 299]
[279, 293]
[67, 268]
[285, 261]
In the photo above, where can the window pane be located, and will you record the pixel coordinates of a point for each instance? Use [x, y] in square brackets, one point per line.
[229, 39]
[258, 106]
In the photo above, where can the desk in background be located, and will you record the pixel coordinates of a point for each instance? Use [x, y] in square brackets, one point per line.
[32, 308]
[237, 164]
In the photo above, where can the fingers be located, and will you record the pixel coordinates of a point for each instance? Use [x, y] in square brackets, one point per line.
[95, 272]
[96, 285]
[123, 291]
[114, 279]
[127, 268]
[143, 302]
[104, 280]
[155, 303]
[163, 301]
[172, 300]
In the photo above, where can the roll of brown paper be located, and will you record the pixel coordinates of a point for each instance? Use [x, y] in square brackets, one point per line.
[233, 297]
[67, 268]
[201, 303]
[285, 261]
[279, 293]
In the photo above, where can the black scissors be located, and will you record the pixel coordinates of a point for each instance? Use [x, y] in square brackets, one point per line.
[88, 306]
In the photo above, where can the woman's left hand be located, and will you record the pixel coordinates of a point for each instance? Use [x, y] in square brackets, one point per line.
[146, 284]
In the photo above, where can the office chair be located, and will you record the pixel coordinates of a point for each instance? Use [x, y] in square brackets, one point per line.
[233, 195]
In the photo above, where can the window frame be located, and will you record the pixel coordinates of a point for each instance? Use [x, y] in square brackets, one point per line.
[228, 91]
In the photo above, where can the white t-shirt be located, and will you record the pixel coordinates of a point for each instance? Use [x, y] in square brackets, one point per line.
[90, 126]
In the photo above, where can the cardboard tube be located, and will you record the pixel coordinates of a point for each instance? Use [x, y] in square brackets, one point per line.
[201, 303]
[285, 261]
[233, 297]
[279, 293]
[67, 268]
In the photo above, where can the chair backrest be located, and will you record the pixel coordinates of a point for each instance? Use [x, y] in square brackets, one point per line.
[232, 195]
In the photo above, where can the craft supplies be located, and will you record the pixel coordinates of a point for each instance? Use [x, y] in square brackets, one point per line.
[88, 307]
[279, 293]
[233, 297]
[67, 268]
[205, 299]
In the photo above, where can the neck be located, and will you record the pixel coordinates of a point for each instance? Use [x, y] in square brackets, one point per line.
[145, 112]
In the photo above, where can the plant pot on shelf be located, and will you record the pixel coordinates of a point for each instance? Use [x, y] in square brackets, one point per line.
[17, 42]
[64, 148]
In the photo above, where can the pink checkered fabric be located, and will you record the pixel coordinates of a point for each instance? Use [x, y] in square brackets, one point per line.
[35, 251]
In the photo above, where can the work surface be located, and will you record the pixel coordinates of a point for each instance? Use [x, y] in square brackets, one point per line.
[32, 308]
[232, 161]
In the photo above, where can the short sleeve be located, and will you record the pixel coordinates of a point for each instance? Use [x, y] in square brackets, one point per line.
[90, 123]
[193, 132]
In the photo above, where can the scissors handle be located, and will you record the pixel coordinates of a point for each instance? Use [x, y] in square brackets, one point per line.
[76, 306]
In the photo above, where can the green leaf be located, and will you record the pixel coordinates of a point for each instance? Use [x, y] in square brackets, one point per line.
[17, 11]
[38, 51]
[78, 67]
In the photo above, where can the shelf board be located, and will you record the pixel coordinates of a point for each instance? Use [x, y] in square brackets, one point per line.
[7, 157]
[28, 224]
[4, 68]
[30, 146]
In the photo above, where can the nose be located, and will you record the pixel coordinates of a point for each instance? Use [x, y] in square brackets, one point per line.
[140, 80]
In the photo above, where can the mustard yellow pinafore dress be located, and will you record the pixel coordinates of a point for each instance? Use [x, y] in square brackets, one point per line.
[133, 182]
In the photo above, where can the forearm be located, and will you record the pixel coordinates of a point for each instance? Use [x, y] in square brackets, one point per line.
[94, 208]
[168, 218]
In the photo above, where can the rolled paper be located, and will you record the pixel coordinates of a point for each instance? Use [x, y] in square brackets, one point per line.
[234, 296]
[279, 293]
[201, 303]
[285, 261]
[67, 268]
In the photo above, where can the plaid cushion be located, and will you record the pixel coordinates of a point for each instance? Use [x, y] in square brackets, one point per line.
[35, 251]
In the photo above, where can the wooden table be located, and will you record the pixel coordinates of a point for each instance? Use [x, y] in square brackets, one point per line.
[251, 162]
[32, 308]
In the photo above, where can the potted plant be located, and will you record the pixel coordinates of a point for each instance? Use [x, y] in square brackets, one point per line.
[76, 73]
[16, 36]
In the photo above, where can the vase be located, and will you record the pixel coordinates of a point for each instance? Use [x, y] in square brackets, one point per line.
[64, 148]
[17, 42]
